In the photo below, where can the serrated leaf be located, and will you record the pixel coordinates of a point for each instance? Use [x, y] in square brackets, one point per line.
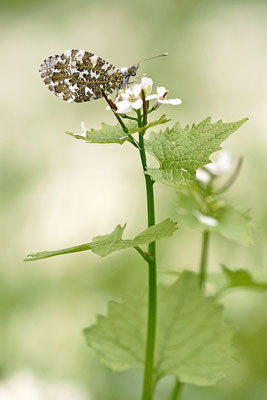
[107, 134]
[204, 211]
[181, 151]
[242, 278]
[193, 341]
[156, 232]
[107, 244]
[119, 338]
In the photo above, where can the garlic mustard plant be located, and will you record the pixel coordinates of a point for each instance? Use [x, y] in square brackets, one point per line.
[175, 329]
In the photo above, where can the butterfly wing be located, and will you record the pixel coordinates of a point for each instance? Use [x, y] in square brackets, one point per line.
[78, 75]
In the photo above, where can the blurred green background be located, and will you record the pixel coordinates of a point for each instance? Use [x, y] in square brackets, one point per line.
[57, 191]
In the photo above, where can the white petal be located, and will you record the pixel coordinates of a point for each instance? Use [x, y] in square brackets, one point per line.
[123, 106]
[136, 90]
[175, 102]
[120, 95]
[202, 176]
[137, 104]
[83, 129]
[152, 96]
[161, 90]
[212, 168]
[222, 162]
[147, 84]
[207, 220]
[145, 81]
[125, 94]
[164, 101]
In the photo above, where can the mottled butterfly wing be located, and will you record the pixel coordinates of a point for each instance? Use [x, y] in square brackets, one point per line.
[78, 75]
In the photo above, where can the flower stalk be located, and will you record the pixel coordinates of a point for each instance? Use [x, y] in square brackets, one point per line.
[204, 258]
[148, 384]
[177, 389]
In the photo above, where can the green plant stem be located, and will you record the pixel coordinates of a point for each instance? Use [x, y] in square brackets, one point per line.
[204, 258]
[122, 124]
[143, 254]
[175, 395]
[144, 107]
[148, 384]
[127, 117]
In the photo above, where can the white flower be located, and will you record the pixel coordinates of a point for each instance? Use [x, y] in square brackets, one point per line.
[206, 219]
[25, 386]
[147, 84]
[83, 134]
[129, 99]
[161, 97]
[202, 176]
[222, 161]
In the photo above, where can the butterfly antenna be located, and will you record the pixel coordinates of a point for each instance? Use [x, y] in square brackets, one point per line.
[151, 58]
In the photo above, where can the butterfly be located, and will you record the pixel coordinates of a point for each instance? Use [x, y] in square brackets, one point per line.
[78, 75]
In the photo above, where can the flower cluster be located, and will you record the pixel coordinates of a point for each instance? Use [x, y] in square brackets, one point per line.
[131, 98]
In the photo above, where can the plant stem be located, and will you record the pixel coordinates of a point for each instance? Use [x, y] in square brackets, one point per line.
[148, 384]
[122, 124]
[204, 258]
[176, 390]
[143, 254]
[144, 107]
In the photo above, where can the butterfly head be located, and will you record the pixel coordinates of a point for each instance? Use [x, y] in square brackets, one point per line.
[127, 73]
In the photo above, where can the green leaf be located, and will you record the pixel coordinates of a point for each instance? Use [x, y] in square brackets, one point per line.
[119, 338]
[156, 232]
[200, 209]
[181, 151]
[242, 278]
[236, 224]
[107, 134]
[107, 244]
[193, 341]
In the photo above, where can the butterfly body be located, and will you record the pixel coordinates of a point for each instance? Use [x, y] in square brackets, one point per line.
[79, 76]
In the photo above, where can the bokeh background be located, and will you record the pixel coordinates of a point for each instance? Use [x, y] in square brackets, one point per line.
[57, 191]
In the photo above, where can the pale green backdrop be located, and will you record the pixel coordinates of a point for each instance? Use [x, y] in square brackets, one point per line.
[56, 191]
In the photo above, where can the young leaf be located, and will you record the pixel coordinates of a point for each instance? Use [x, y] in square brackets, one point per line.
[107, 244]
[107, 134]
[193, 341]
[181, 151]
[242, 278]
